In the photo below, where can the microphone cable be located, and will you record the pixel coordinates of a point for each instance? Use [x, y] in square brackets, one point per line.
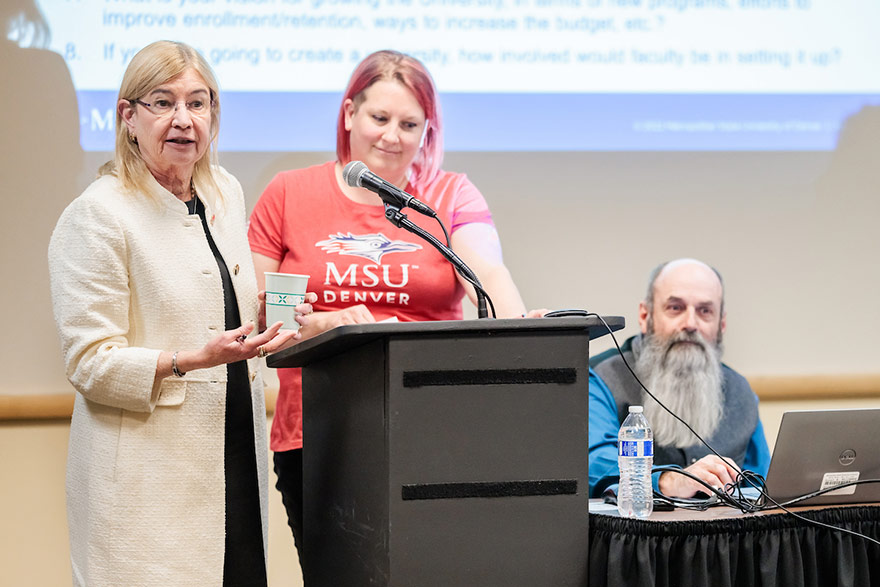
[746, 505]
[474, 282]
[395, 199]
[468, 275]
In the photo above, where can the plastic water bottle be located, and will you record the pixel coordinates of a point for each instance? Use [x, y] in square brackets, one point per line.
[635, 457]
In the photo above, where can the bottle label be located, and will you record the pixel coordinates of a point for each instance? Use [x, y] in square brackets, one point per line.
[636, 448]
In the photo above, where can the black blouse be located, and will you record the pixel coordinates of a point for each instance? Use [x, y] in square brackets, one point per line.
[244, 562]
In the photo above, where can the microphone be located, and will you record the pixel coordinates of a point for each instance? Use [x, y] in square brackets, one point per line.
[357, 175]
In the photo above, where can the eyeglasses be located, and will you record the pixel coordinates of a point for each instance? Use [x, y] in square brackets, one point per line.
[163, 107]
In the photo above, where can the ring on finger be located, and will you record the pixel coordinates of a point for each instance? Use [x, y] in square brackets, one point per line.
[261, 352]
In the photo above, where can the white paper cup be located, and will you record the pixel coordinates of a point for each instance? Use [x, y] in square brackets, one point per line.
[284, 291]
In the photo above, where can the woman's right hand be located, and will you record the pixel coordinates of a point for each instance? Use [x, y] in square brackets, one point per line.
[323, 321]
[235, 345]
[230, 346]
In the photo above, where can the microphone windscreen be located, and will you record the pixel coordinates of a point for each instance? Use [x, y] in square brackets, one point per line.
[351, 173]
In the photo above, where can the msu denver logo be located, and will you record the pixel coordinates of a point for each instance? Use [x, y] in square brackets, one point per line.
[369, 246]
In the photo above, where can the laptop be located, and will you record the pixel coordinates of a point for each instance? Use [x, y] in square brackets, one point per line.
[816, 449]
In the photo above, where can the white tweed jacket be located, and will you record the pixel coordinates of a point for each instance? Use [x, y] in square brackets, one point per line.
[132, 276]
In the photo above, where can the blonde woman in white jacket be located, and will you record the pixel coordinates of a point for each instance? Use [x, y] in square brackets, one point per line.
[156, 304]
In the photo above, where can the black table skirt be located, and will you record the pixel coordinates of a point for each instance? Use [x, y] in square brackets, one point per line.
[766, 550]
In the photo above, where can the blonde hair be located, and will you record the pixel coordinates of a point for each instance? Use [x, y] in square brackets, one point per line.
[152, 66]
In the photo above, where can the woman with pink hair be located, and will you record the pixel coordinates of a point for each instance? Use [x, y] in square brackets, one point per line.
[363, 268]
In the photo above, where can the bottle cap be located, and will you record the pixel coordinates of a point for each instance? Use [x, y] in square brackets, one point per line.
[636, 409]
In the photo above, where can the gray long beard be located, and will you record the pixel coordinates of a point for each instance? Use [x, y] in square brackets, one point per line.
[687, 379]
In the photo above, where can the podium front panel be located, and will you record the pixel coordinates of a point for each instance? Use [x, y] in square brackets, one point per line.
[448, 459]
[488, 483]
[345, 470]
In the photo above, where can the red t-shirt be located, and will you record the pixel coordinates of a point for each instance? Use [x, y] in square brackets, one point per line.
[354, 255]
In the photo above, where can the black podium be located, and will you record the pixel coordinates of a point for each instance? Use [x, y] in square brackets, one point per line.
[446, 453]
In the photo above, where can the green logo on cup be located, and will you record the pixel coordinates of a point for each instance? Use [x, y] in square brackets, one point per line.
[283, 299]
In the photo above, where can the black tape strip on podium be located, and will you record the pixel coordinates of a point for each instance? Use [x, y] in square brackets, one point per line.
[489, 489]
[489, 377]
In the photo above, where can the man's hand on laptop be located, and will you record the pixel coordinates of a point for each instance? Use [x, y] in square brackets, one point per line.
[711, 469]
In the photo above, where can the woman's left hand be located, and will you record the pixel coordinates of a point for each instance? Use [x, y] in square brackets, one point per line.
[302, 310]
[305, 309]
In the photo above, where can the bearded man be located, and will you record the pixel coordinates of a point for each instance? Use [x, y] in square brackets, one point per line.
[678, 358]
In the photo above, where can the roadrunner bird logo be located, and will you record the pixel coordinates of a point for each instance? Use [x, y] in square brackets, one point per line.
[369, 246]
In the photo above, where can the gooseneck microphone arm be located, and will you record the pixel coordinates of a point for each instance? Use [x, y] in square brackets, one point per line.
[399, 219]
[356, 174]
